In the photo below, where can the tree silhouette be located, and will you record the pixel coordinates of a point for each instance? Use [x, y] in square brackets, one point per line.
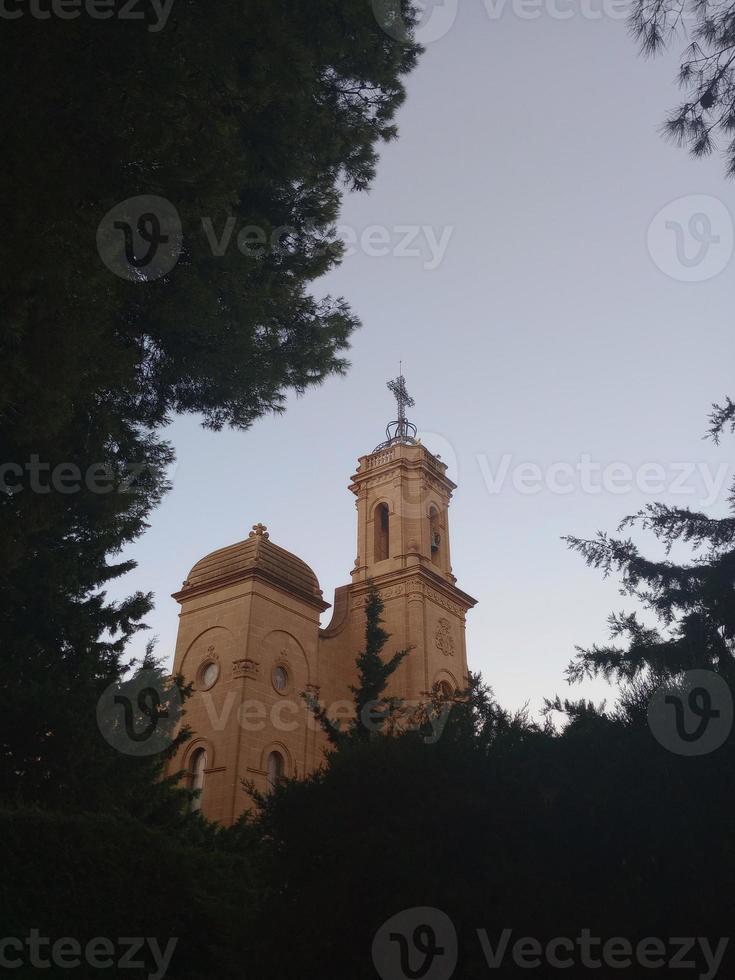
[706, 72]
[372, 709]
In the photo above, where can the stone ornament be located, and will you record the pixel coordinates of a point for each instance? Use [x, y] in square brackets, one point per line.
[443, 637]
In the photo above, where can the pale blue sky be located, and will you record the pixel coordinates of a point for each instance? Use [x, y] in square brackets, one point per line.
[546, 332]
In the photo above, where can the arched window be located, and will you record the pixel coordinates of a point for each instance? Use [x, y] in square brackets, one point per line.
[196, 776]
[435, 536]
[445, 690]
[276, 767]
[381, 520]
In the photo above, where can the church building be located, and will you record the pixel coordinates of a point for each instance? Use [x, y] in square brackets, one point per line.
[251, 643]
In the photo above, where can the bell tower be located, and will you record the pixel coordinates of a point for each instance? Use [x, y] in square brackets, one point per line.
[402, 496]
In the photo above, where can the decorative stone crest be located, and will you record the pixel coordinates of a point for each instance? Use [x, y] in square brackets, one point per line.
[443, 637]
[245, 668]
[210, 657]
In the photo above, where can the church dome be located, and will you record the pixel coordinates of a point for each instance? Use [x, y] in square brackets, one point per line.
[256, 556]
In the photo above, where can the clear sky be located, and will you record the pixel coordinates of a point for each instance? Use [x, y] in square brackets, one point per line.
[549, 320]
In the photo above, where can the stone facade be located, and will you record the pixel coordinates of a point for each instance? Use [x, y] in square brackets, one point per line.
[250, 641]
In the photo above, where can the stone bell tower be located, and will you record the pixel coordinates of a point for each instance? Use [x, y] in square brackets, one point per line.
[403, 546]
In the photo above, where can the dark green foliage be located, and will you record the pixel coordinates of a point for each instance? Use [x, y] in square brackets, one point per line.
[500, 824]
[372, 709]
[692, 600]
[54, 738]
[85, 876]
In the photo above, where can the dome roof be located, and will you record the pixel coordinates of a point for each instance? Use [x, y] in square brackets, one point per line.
[255, 556]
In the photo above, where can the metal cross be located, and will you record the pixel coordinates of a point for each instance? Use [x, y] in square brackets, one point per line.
[398, 387]
[400, 429]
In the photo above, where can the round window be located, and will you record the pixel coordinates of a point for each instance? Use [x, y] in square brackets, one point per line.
[210, 674]
[280, 678]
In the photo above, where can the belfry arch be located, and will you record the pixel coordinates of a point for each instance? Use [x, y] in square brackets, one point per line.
[381, 532]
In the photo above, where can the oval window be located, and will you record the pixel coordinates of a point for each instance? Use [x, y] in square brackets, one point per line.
[210, 674]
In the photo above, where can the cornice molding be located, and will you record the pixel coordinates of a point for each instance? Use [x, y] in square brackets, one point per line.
[246, 574]
[415, 581]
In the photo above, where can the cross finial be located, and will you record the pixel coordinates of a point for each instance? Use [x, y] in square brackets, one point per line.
[398, 387]
[400, 430]
[260, 531]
